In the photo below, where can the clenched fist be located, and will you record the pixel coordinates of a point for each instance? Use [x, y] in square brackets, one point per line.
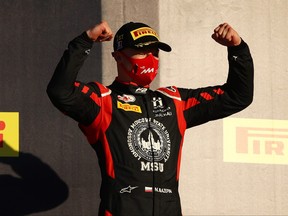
[224, 34]
[100, 32]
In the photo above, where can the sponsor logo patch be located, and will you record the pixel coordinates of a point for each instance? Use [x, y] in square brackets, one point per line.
[158, 108]
[129, 107]
[144, 31]
[141, 90]
[126, 98]
[128, 189]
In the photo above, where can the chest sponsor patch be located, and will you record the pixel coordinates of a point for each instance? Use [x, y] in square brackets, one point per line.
[159, 109]
[126, 98]
[129, 107]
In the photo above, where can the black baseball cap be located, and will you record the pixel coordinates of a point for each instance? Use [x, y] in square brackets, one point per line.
[137, 35]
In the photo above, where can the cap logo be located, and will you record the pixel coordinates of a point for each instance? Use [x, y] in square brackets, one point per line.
[119, 41]
[144, 31]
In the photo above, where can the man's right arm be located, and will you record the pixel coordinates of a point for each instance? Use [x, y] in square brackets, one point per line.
[71, 97]
[62, 91]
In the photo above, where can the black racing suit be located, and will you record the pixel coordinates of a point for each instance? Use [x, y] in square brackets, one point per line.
[138, 133]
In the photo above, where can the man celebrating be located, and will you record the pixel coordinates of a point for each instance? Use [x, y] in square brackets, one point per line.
[138, 133]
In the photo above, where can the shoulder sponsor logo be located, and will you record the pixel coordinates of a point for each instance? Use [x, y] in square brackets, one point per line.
[255, 141]
[128, 189]
[171, 88]
[129, 107]
[126, 98]
[170, 92]
[144, 31]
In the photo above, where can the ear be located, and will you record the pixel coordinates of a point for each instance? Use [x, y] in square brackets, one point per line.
[116, 55]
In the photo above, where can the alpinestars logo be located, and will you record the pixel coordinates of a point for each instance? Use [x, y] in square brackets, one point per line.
[128, 189]
[151, 144]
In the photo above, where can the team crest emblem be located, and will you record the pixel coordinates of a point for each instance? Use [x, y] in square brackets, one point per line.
[151, 144]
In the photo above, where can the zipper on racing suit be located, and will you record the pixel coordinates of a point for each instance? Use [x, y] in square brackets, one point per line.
[146, 102]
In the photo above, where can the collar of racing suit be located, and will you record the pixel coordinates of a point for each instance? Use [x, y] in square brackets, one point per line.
[128, 87]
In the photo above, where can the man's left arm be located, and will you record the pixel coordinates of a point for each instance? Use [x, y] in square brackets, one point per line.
[239, 85]
[210, 103]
